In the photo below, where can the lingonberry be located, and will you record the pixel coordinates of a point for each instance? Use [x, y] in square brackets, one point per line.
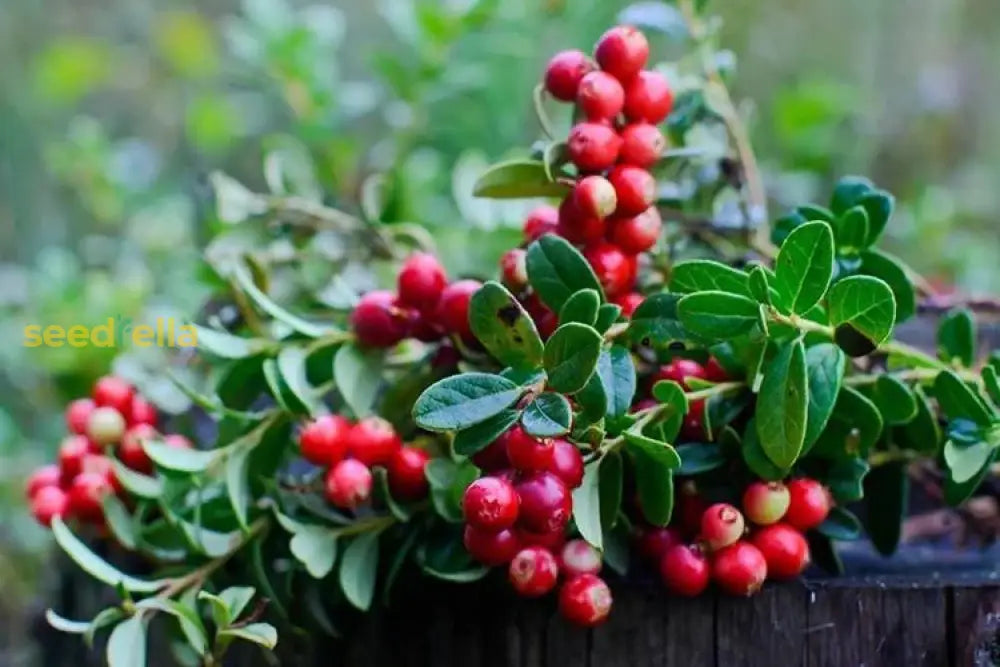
[131, 451]
[514, 269]
[48, 503]
[426, 328]
[113, 392]
[600, 96]
[566, 463]
[324, 441]
[85, 494]
[78, 415]
[106, 425]
[348, 484]
[546, 503]
[526, 452]
[177, 441]
[593, 146]
[577, 227]
[594, 197]
[580, 557]
[493, 457]
[785, 550]
[715, 372]
[445, 358]
[721, 525]
[71, 453]
[615, 270]
[637, 233]
[533, 572]
[655, 540]
[648, 98]
[642, 145]
[554, 542]
[622, 51]
[629, 302]
[491, 503]
[635, 188]
[47, 475]
[421, 281]
[679, 370]
[545, 320]
[809, 504]
[373, 441]
[684, 570]
[739, 569]
[540, 221]
[141, 412]
[693, 426]
[564, 73]
[453, 309]
[406, 473]
[489, 547]
[585, 600]
[100, 464]
[691, 505]
[379, 321]
[765, 503]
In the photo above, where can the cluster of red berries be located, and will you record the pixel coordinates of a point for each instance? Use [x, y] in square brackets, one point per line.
[682, 371]
[114, 421]
[775, 549]
[517, 514]
[425, 306]
[349, 450]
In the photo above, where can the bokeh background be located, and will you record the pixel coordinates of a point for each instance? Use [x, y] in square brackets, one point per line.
[113, 114]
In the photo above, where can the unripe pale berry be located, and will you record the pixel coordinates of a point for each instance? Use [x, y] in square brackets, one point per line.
[785, 550]
[654, 541]
[685, 570]
[765, 503]
[131, 451]
[638, 233]
[585, 600]
[615, 269]
[453, 309]
[71, 453]
[593, 146]
[576, 226]
[594, 196]
[679, 370]
[648, 98]
[379, 321]
[85, 494]
[635, 188]
[642, 145]
[566, 463]
[546, 503]
[47, 475]
[373, 441]
[406, 473]
[48, 503]
[622, 51]
[600, 96]
[421, 281]
[721, 525]
[533, 572]
[629, 302]
[324, 440]
[580, 557]
[113, 392]
[490, 503]
[489, 547]
[514, 269]
[78, 415]
[348, 484]
[739, 569]
[526, 452]
[540, 221]
[809, 504]
[564, 73]
[141, 412]
[106, 425]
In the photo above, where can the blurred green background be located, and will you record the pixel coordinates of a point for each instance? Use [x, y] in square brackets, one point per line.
[113, 113]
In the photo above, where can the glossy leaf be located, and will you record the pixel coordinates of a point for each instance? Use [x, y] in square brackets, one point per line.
[697, 458]
[804, 266]
[845, 479]
[964, 461]
[94, 565]
[582, 307]
[571, 356]
[852, 230]
[863, 310]
[476, 438]
[656, 320]
[848, 192]
[756, 458]
[127, 643]
[878, 204]
[922, 433]
[262, 634]
[358, 569]
[358, 374]
[702, 275]
[654, 464]
[557, 270]
[548, 416]
[518, 179]
[587, 505]
[759, 285]
[618, 378]
[841, 525]
[890, 269]
[956, 399]
[503, 326]
[825, 365]
[718, 315]
[853, 429]
[461, 401]
[894, 399]
[781, 426]
[956, 337]
[887, 490]
[956, 493]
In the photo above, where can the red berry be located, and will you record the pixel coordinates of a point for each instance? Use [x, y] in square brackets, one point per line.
[622, 51]
[445, 358]
[545, 320]
[693, 427]
[488, 547]
[648, 98]
[379, 321]
[47, 475]
[615, 270]
[655, 540]
[580, 557]
[679, 370]
[533, 572]
[765, 503]
[490, 503]
[453, 309]
[113, 392]
[85, 494]
[637, 233]
[373, 441]
[541, 221]
[177, 441]
[593, 146]
[600, 96]
[809, 504]
[514, 269]
[577, 227]
[715, 372]
[585, 600]
[78, 415]
[48, 503]
[131, 451]
[324, 441]
[635, 188]
[71, 453]
[629, 302]
[101, 465]
[785, 550]
[642, 145]
[348, 484]
[406, 473]
[564, 73]
[141, 412]
[426, 328]
[684, 570]
[691, 505]
[594, 197]
[526, 452]
[721, 525]
[551, 541]
[106, 425]
[566, 463]
[739, 569]
[421, 281]
[546, 504]
[493, 457]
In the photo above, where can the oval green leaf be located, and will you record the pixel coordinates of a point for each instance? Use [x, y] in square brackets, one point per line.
[571, 356]
[548, 416]
[504, 327]
[518, 179]
[461, 401]
[718, 315]
[784, 403]
[804, 266]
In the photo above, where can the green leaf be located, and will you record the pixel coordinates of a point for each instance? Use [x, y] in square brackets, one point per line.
[593, 398]
[119, 521]
[671, 393]
[179, 460]
[854, 427]
[654, 477]
[65, 625]
[571, 357]
[136, 483]
[956, 399]
[581, 307]
[227, 346]
[504, 328]
[756, 458]
[607, 315]
[863, 310]
[886, 267]
[702, 275]
[718, 315]
[237, 482]
[358, 569]
[461, 401]
[316, 548]
[957, 493]
[358, 374]
[262, 634]
[587, 505]
[187, 618]
[956, 337]
[825, 365]
[848, 192]
[759, 285]
[894, 399]
[697, 458]
[852, 231]
[610, 487]
[991, 382]
[557, 270]
[887, 490]
[878, 204]
[965, 461]
[804, 267]
[784, 397]
[823, 554]
[845, 479]
[382, 495]
[448, 481]
[841, 525]
[664, 454]
[548, 416]
[127, 644]
[922, 433]
[476, 438]
[309, 329]
[518, 179]
[292, 367]
[96, 566]
[617, 371]
[656, 320]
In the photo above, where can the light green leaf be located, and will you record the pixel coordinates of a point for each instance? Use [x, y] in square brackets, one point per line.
[309, 329]
[587, 505]
[965, 461]
[238, 483]
[518, 179]
[863, 310]
[262, 634]
[358, 569]
[292, 367]
[136, 483]
[127, 644]
[227, 346]
[65, 625]
[358, 374]
[804, 266]
[96, 566]
[316, 548]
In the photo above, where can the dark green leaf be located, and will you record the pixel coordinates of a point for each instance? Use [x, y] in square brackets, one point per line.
[548, 416]
[127, 643]
[841, 525]
[610, 490]
[886, 267]
[476, 438]
[823, 553]
[781, 423]
[557, 270]
[825, 365]
[671, 393]
[759, 285]
[853, 429]
[571, 357]
[581, 307]
[94, 565]
[845, 479]
[956, 399]
[878, 204]
[656, 320]
[809, 212]
[465, 400]
[358, 569]
[922, 433]
[894, 399]
[865, 306]
[593, 399]
[804, 266]
[358, 374]
[755, 457]
[697, 458]
[663, 452]
[852, 231]
[518, 179]
[504, 328]
[956, 337]
[654, 477]
[587, 505]
[607, 315]
[702, 275]
[991, 382]
[718, 315]
[848, 192]
[448, 481]
[887, 490]
[382, 495]
[617, 372]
